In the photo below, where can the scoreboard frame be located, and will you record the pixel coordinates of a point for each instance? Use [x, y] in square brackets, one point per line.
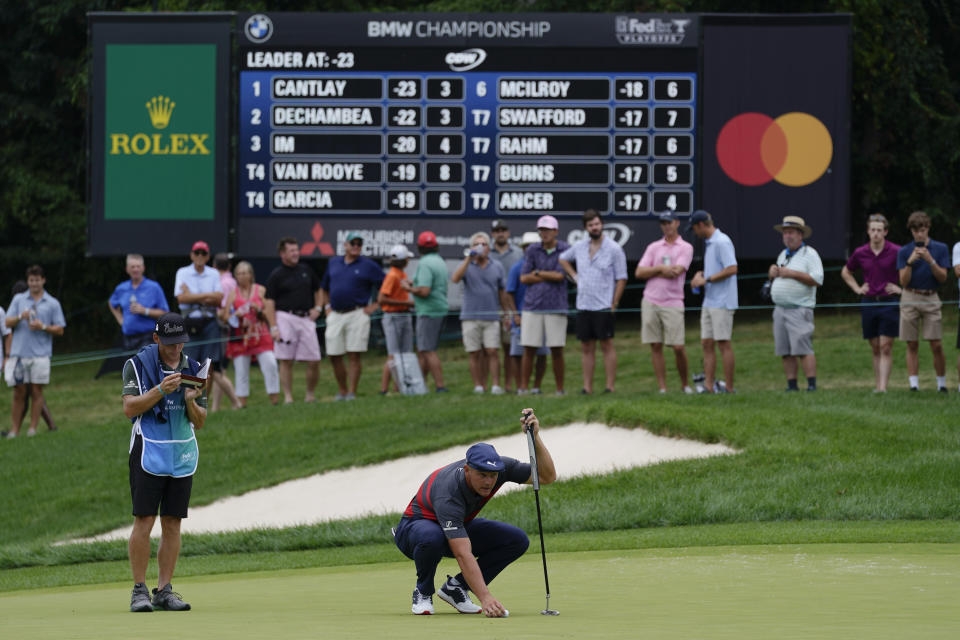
[397, 136]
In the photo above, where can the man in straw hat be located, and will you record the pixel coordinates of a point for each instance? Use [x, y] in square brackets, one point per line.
[795, 277]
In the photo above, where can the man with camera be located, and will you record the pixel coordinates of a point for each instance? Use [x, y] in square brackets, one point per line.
[795, 278]
[923, 266]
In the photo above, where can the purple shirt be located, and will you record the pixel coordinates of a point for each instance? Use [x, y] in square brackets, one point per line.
[545, 297]
[879, 269]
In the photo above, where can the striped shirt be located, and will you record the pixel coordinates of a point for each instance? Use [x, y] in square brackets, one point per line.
[445, 498]
[789, 292]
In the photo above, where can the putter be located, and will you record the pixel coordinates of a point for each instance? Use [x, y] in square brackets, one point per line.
[536, 494]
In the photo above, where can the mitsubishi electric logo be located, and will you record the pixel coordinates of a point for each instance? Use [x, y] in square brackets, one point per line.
[465, 60]
[653, 31]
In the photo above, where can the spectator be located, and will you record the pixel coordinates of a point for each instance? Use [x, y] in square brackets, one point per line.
[507, 254]
[923, 266]
[879, 295]
[545, 303]
[601, 277]
[163, 455]
[430, 303]
[250, 334]
[719, 281]
[136, 304]
[292, 305]
[795, 276]
[4, 348]
[19, 287]
[956, 272]
[221, 262]
[517, 289]
[35, 317]
[663, 266]
[199, 293]
[347, 287]
[397, 305]
[484, 300]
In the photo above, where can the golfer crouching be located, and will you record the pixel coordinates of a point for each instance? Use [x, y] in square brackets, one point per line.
[441, 521]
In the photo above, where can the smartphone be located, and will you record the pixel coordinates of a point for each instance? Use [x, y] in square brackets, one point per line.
[920, 245]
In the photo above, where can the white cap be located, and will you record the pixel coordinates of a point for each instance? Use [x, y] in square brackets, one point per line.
[528, 238]
[399, 252]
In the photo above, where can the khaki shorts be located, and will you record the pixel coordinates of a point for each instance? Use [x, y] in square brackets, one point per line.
[347, 332]
[661, 324]
[27, 371]
[716, 324]
[480, 334]
[537, 329]
[916, 308]
[793, 331]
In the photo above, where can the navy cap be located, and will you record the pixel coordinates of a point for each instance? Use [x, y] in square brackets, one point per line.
[171, 329]
[697, 216]
[667, 216]
[483, 457]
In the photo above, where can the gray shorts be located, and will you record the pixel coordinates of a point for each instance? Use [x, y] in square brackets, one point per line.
[428, 332]
[398, 332]
[793, 331]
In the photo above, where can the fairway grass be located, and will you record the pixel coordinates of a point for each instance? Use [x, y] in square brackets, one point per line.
[778, 591]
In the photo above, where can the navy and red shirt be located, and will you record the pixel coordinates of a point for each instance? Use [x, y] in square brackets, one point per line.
[445, 498]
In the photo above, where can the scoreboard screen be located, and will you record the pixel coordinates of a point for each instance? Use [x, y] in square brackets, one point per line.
[403, 121]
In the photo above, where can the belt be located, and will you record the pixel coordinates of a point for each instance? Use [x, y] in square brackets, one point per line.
[346, 310]
[921, 292]
[298, 312]
[880, 298]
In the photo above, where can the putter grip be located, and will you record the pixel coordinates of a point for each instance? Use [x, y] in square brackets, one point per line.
[533, 461]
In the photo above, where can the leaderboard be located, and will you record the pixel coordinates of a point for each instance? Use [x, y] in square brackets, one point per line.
[345, 140]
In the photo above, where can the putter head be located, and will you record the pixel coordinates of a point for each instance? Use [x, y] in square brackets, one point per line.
[549, 612]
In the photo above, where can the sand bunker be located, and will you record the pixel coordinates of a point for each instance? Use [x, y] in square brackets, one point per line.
[577, 450]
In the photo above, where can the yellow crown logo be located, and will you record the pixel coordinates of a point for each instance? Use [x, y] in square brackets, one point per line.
[160, 109]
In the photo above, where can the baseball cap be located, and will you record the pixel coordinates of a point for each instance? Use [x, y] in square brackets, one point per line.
[667, 216]
[528, 238]
[171, 329]
[399, 252]
[483, 457]
[353, 235]
[427, 239]
[200, 244]
[498, 224]
[697, 216]
[547, 222]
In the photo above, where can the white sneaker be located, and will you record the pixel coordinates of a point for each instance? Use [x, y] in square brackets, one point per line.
[422, 605]
[535, 391]
[496, 390]
[457, 597]
[522, 392]
[687, 389]
[478, 389]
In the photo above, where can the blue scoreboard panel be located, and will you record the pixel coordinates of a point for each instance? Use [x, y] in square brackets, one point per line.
[360, 121]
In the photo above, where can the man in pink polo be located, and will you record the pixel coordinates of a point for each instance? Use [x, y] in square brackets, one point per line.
[664, 265]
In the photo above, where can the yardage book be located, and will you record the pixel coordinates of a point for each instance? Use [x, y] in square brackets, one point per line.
[198, 380]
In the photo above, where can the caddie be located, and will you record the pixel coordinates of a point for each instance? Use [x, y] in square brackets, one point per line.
[163, 455]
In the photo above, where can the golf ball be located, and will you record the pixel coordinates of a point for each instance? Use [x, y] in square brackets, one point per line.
[506, 613]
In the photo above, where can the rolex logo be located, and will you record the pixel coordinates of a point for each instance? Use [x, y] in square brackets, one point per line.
[160, 109]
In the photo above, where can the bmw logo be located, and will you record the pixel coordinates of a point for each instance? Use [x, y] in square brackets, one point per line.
[258, 28]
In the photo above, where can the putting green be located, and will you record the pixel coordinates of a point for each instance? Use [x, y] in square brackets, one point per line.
[788, 591]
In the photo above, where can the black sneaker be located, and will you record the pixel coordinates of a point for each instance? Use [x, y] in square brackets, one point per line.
[167, 599]
[140, 599]
[456, 596]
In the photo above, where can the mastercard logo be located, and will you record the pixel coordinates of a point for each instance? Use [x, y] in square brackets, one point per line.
[794, 149]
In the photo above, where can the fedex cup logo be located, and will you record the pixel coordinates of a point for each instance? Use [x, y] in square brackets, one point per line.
[794, 149]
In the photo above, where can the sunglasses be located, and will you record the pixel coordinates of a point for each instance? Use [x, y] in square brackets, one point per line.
[200, 252]
[356, 243]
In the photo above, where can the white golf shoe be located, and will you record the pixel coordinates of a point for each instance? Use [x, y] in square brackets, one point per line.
[457, 597]
[422, 605]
